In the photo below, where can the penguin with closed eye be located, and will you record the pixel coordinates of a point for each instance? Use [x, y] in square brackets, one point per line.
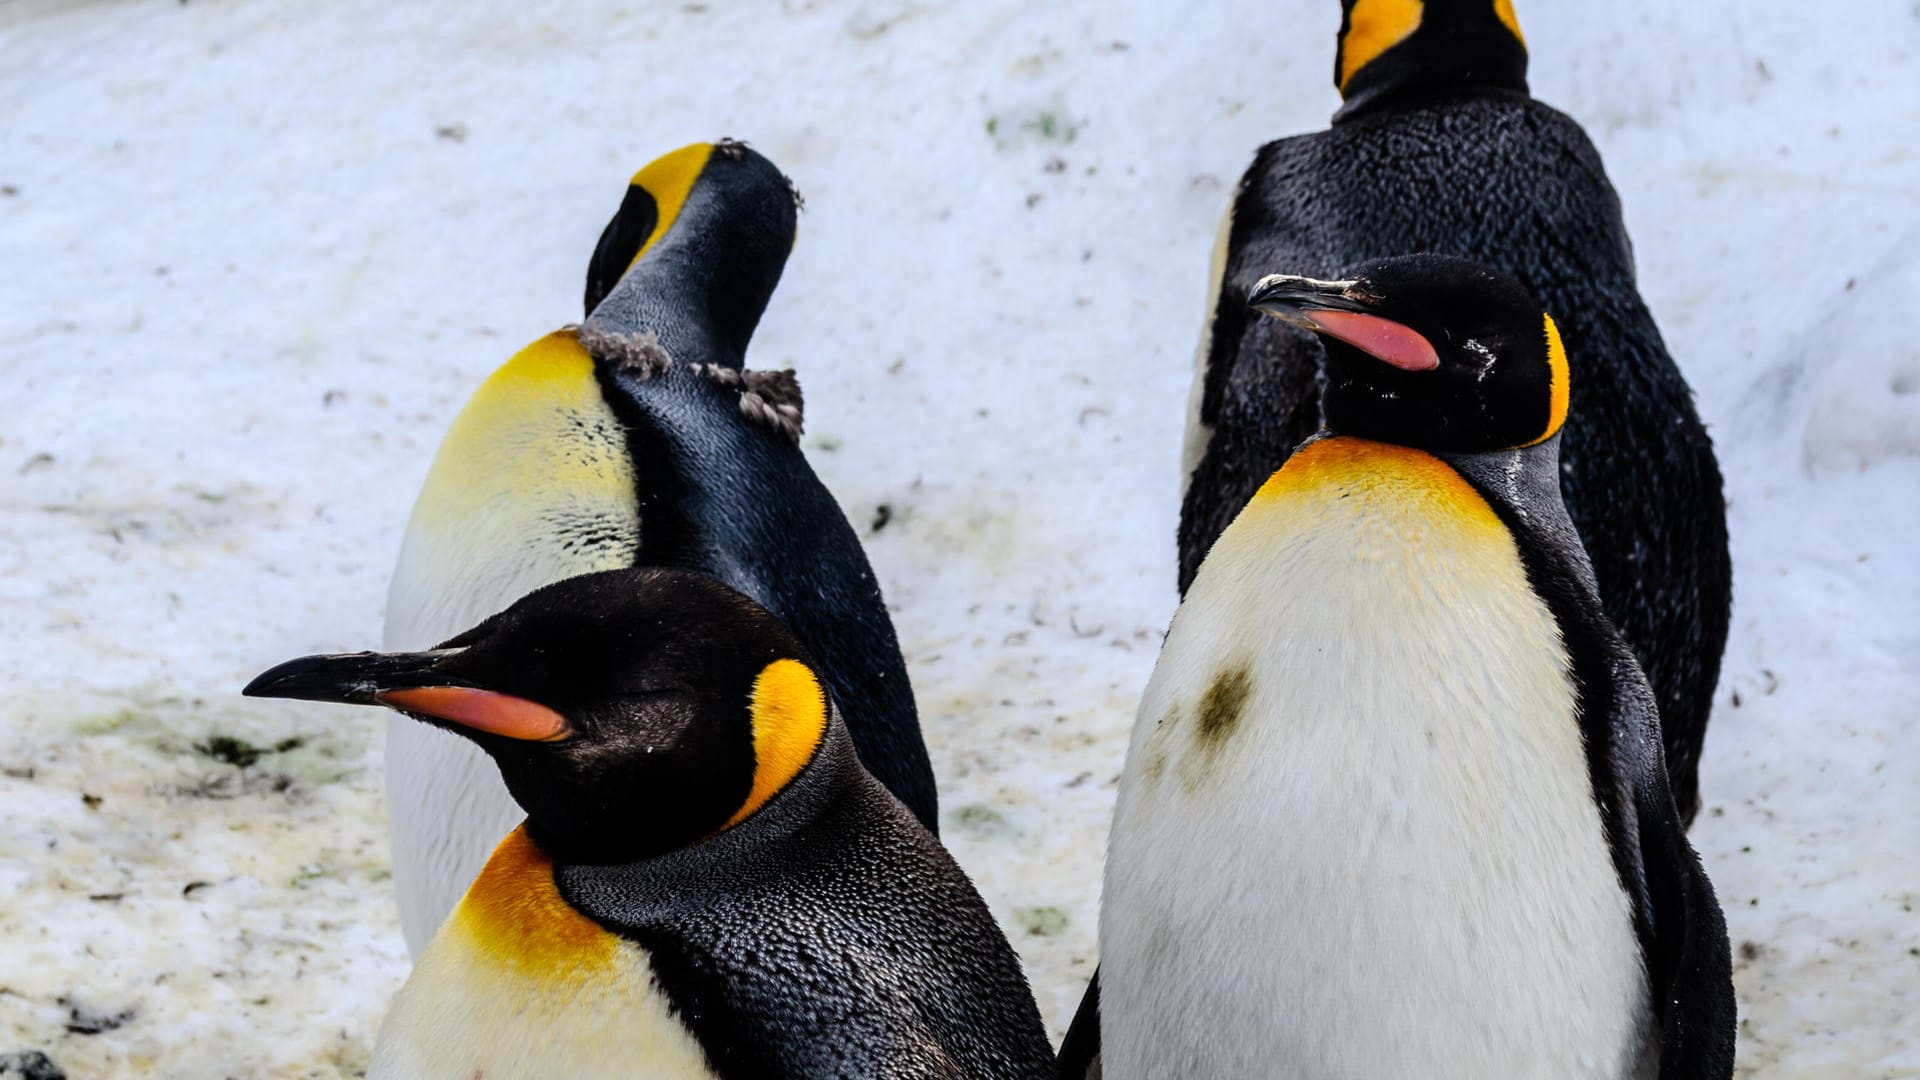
[1395, 803]
[638, 439]
[707, 883]
[1438, 147]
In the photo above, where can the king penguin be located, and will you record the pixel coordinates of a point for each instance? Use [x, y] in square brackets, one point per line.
[638, 439]
[1439, 148]
[707, 883]
[1394, 803]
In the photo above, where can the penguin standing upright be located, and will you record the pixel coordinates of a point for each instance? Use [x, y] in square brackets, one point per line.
[1394, 803]
[639, 439]
[1439, 148]
[707, 884]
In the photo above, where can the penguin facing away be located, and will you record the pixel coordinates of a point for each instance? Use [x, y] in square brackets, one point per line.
[1439, 148]
[1394, 803]
[707, 884]
[639, 439]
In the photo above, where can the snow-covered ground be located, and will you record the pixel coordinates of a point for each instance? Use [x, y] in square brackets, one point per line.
[255, 255]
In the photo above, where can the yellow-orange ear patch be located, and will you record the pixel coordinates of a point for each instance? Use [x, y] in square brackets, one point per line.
[1560, 389]
[669, 179]
[1373, 27]
[789, 713]
[1503, 10]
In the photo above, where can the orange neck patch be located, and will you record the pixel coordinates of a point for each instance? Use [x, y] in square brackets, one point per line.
[514, 914]
[1422, 482]
[789, 713]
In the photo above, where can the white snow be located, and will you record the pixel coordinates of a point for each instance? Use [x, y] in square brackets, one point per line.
[255, 256]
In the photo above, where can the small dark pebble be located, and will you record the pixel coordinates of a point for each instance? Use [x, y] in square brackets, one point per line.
[82, 1020]
[881, 515]
[240, 752]
[29, 1065]
[93, 801]
[106, 897]
[194, 887]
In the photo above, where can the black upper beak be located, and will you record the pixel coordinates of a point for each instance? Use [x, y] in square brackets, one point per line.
[352, 678]
[1294, 298]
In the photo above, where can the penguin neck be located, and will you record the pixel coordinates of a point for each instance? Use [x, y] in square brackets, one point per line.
[700, 469]
[730, 498]
[814, 791]
[1523, 485]
[676, 296]
[604, 841]
[1392, 53]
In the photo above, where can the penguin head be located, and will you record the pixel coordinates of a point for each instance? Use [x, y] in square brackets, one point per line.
[1396, 47]
[631, 712]
[703, 233]
[1430, 351]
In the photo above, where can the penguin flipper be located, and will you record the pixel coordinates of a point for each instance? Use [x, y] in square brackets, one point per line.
[1689, 961]
[1696, 993]
[1079, 1055]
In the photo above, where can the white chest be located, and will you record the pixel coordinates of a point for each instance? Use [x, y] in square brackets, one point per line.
[1355, 835]
[461, 1016]
[533, 484]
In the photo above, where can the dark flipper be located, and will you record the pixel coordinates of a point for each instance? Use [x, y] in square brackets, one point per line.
[1689, 962]
[1682, 933]
[1080, 1050]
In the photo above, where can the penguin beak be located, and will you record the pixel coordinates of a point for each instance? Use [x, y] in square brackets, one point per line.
[1342, 310]
[411, 683]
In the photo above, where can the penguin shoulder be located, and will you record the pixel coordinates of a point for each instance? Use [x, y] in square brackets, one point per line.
[767, 934]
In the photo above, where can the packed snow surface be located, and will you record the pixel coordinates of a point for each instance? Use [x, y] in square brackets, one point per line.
[256, 255]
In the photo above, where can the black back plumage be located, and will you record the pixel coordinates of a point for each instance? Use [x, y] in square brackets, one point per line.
[723, 491]
[1484, 172]
[828, 935]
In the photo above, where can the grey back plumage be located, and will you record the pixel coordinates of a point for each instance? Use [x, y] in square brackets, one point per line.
[828, 935]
